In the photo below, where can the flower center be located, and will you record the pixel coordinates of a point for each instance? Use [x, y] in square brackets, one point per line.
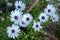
[53, 18]
[19, 7]
[23, 22]
[13, 31]
[27, 19]
[36, 25]
[49, 10]
[16, 17]
[43, 17]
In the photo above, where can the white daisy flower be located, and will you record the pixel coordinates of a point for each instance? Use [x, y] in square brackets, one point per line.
[54, 18]
[13, 31]
[26, 19]
[19, 5]
[16, 16]
[50, 9]
[37, 26]
[43, 17]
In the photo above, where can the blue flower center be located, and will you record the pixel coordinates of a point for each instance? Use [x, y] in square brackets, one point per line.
[13, 31]
[36, 25]
[19, 7]
[53, 18]
[49, 10]
[23, 22]
[16, 17]
[43, 17]
[27, 19]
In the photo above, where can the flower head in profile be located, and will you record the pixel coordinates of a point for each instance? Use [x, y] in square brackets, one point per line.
[54, 18]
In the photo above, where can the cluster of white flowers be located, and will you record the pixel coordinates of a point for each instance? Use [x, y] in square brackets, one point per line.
[19, 19]
[23, 20]
[49, 12]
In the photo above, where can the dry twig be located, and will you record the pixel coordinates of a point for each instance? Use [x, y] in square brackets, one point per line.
[32, 6]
